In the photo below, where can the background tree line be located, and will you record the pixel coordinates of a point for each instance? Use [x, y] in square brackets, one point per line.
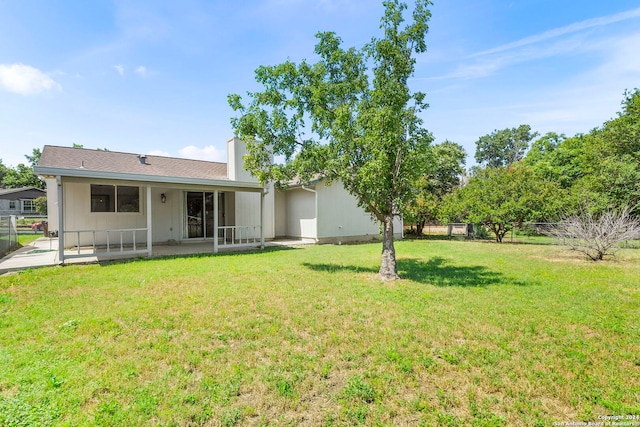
[21, 175]
[523, 179]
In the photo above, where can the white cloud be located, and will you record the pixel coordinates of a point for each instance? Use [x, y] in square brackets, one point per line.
[25, 80]
[572, 39]
[557, 32]
[119, 69]
[209, 152]
[141, 70]
[490, 64]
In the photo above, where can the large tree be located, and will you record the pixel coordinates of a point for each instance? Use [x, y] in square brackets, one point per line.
[501, 198]
[504, 147]
[339, 120]
[3, 172]
[601, 168]
[622, 133]
[22, 175]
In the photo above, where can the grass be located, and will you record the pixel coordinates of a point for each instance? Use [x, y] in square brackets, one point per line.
[475, 334]
[25, 239]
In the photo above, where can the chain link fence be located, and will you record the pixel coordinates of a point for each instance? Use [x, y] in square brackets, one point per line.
[538, 233]
[8, 234]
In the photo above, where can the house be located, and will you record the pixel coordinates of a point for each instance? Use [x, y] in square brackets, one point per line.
[20, 201]
[125, 203]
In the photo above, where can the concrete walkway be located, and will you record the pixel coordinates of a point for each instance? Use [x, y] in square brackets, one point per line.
[43, 252]
[39, 253]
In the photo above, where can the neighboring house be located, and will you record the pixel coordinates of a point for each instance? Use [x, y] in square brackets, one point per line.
[110, 199]
[20, 201]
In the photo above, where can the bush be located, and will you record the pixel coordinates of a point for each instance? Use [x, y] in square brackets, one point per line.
[597, 236]
[41, 205]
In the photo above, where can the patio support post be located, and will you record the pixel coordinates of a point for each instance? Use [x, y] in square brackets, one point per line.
[149, 224]
[215, 221]
[60, 221]
[262, 219]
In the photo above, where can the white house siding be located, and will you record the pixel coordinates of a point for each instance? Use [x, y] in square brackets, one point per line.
[280, 213]
[342, 220]
[52, 204]
[236, 150]
[247, 211]
[167, 217]
[301, 214]
[269, 213]
[78, 217]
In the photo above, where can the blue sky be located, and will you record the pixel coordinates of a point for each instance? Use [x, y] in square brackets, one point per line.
[153, 76]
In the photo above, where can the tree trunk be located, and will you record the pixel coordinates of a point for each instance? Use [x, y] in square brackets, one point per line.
[497, 230]
[419, 228]
[388, 266]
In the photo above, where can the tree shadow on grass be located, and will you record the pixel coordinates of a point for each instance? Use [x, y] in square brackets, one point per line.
[436, 271]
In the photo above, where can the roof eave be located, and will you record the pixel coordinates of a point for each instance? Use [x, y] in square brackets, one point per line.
[53, 172]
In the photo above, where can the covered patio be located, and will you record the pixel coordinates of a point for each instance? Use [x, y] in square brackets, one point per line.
[194, 215]
[106, 204]
[206, 227]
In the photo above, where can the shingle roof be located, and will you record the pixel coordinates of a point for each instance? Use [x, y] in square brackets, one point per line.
[4, 192]
[129, 163]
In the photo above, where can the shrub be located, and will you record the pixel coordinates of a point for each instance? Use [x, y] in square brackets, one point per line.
[597, 236]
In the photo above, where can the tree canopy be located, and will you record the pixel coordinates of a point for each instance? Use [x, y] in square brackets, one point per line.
[601, 168]
[22, 175]
[445, 169]
[504, 147]
[500, 198]
[349, 117]
[559, 176]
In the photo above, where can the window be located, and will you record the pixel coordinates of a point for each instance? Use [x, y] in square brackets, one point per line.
[128, 199]
[28, 206]
[103, 198]
[12, 204]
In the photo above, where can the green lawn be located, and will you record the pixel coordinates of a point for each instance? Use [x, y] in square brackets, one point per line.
[25, 239]
[475, 334]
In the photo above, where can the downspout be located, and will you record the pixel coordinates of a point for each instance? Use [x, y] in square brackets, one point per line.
[311, 190]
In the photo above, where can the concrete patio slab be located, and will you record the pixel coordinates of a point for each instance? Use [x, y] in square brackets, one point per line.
[39, 253]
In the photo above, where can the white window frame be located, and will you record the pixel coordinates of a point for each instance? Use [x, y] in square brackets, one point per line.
[27, 202]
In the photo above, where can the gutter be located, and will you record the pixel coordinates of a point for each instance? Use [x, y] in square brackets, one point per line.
[311, 190]
[83, 173]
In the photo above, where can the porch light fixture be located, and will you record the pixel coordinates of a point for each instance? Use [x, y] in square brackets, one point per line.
[163, 198]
